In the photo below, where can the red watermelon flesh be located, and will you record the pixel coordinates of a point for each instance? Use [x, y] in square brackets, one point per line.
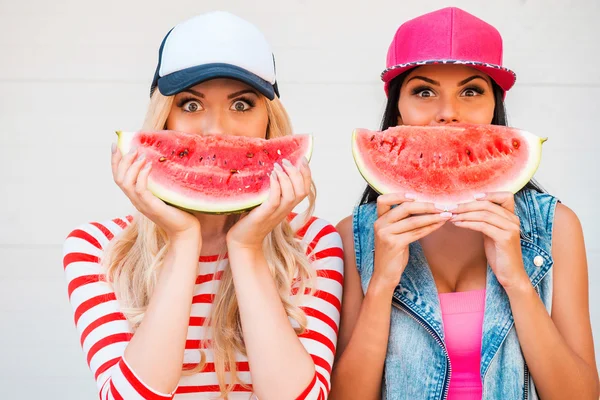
[447, 164]
[213, 173]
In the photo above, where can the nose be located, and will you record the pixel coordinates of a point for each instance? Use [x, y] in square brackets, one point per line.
[214, 122]
[448, 112]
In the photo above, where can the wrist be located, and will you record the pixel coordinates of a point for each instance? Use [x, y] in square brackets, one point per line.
[249, 248]
[382, 286]
[186, 242]
[519, 288]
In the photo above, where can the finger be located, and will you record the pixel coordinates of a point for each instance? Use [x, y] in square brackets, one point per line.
[485, 216]
[386, 201]
[274, 197]
[484, 205]
[296, 179]
[141, 183]
[114, 159]
[306, 174]
[503, 199]
[420, 233]
[125, 163]
[409, 208]
[287, 190]
[142, 199]
[494, 233]
[418, 222]
[131, 176]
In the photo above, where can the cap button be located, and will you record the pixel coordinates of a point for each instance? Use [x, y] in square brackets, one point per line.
[538, 261]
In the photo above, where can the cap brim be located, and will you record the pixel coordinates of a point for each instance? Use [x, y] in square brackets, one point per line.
[177, 82]
[504, 77]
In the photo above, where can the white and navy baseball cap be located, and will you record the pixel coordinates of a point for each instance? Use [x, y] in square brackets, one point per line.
[215, 45]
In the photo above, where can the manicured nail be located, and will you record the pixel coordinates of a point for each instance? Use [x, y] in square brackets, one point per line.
[142, 157]
[113, 148]
[305, 161]
[132, 150]
[446, 214]
[446, 207]
[287, 163]
[410, 196]
[479, 196]
[277, 167]
[148, 165]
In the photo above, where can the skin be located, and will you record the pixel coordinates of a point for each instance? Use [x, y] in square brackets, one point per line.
[458, 246]
[280, 366]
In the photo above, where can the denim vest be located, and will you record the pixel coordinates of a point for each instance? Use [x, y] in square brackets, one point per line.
[417, 365]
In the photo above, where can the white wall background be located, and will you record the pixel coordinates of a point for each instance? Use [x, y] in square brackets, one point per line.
[72, 72]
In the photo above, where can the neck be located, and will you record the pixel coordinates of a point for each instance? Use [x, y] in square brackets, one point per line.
[213, 229]
[456, 258]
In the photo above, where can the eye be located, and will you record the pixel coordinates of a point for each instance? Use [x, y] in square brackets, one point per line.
[423, 91]
[472, 92]
[241, 105]
[192, 106]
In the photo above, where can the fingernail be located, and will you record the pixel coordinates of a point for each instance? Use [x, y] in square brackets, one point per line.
[410, 196]
[148, 165]
[142, 157]
[273, 174]
[277, 167]
[287, 163]
[113, 148]
[446, 214]
[446, 207]
[132, 150]
[479, 196]
[305, 161]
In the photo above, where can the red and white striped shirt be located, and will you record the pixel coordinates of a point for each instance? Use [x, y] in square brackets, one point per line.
[105, 333]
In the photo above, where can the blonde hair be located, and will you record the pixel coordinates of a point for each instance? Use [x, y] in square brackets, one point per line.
[133, 259]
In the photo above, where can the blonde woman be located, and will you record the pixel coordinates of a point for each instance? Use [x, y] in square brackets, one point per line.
[171, 304]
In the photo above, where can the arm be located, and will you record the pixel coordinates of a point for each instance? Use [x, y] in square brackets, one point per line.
[123, 363]
[366, 321]
[284, 365]
[568, 370]
[558, 348]
[364, 330]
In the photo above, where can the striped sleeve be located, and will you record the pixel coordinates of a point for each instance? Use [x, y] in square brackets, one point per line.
[104, 332]
[324, 248]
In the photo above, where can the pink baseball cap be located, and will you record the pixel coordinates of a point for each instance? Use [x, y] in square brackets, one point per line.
[448, 36]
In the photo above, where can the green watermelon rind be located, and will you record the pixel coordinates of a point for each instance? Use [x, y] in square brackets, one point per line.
[513, 185]
[183, 202]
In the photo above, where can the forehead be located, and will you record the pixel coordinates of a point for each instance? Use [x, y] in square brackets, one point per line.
[221, 84]
[447, 72]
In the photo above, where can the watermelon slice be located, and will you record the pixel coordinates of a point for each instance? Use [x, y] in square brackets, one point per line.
[446, 164]
[216, 174]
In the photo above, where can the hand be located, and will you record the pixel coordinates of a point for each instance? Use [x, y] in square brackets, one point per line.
[396, 228]
[130, 173]
[289, 186]
[494, 216]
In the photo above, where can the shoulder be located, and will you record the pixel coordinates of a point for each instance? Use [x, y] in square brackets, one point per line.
[319, 237]
[567, 230]
[313, 228]
[345, 226]
[92, 237]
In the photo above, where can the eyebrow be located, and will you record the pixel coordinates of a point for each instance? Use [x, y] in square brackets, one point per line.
[195, 93]
[240, 92]
[464, 81]
[425, 79]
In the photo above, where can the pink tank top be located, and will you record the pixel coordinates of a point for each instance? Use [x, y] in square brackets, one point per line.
[462, 313]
